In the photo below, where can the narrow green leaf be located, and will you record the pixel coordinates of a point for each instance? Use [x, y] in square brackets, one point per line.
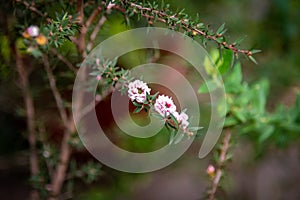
[235, 77]
[155, 114]
[220, 29]
[225, 61]
[239, 40]
[179, 138]
[239, 114]
[252, 59]
[162, 5]
[154, 96]
[136, 104]
[172, 135]
[138, 109]
[230, 121]
[266, 132]
[195, 128]
[173, 118]
[255, 51]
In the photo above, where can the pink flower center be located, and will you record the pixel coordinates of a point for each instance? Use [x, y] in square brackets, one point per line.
[168, 105]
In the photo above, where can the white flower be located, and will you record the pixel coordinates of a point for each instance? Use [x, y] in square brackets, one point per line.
[137, 90]
[164, 105]
[182, 119]
[33, 31]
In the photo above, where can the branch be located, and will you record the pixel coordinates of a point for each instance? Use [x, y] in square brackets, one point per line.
[30, 117]
[56, 94]
[153, 14]
[95, 32]
[64, 60]
[92, 17]
[60, 172]
[80, 40]
[32, 8]
[220, 164]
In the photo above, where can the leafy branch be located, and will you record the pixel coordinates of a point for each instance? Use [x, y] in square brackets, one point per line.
[182, 21]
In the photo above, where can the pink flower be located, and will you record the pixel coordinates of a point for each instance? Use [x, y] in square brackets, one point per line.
[164, 105]
[98, 77]
[210, 170]
[33, 31]
[110, 6]
[98, 62]
[137, 91]
[182, 119]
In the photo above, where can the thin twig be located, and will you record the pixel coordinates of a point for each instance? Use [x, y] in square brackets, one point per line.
[32, 8]
[60, 172]
[92, 17]
[59, 175]
[220, 164]
[95, 32]
[64, 60]
[160, 15]
[30, 116]
[56, 94]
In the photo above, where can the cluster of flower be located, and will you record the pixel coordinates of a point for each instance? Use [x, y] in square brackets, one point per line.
[164, 105]
[34, 32]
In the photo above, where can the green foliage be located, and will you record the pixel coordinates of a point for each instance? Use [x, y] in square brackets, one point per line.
[60, 29]
[156, 12]
[246, 108]
[91, 171]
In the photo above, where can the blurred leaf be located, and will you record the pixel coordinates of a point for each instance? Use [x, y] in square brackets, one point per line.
[195, 128]
[179, 138]
[265, 132]
[252, 59]
[138, 109]
[226, 61]
[208, 86]
[172, 135]
[259, 100]
[220, 29]
[136, 104]
[254, 51]
[230, 121]
[4, 48]
[239, 114]
[235, 76]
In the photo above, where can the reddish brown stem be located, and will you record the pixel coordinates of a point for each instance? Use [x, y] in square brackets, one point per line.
[60, 172]
[81, 37]
[55, 91]
[59, 175]
[64, 60]
[220, 164]
[30, 115]
[95, 32]
[162, 15]
[32, 8]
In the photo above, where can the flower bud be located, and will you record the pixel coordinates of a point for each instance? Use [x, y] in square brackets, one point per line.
[210, 171]
[98, 77]
[41, 40]
[25, 35]
[33, 31]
